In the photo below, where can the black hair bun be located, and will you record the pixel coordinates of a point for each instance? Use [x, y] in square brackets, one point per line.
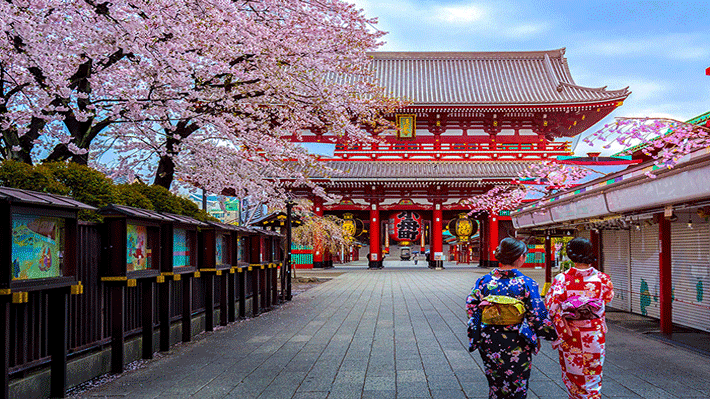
[579, 250]
[509, 250]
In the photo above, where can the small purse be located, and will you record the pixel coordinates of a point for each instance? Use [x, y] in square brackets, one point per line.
[582, 308]
[502, 311]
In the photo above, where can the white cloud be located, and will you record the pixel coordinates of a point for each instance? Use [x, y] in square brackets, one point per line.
[641, 89]
[524, 31]
[460, 14]
[445, 19]
[674, 46]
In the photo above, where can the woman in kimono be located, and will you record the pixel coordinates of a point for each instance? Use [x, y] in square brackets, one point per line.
[576, 302]
[506, 319]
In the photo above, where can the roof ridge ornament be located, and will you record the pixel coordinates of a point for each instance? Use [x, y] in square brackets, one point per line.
[551, 74]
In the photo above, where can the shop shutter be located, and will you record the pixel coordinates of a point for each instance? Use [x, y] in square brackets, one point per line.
[645, 289]
[615, 251]
[585, 234]
[690, 254]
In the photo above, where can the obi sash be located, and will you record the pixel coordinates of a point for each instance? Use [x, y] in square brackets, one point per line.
[502, 310]
[582, 308]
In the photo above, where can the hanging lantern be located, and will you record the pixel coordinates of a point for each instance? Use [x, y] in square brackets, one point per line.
[463, 227]
[352, 226]
[405, 227]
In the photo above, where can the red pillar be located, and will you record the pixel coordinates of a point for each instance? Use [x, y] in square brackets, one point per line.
[664, 275]
[493, 240]
[437, 241]
[375, 250]
[318, 253]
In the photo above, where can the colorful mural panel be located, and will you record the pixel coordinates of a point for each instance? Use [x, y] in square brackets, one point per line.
[181, 248]
[137, 251]
[221, 250]
[37, 246]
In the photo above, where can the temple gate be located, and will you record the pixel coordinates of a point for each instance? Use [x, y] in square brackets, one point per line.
[477, 119]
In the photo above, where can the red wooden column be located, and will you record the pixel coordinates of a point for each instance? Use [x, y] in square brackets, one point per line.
[318, 253]
[437, 241]
[375, 250]
[493, 239]
[664, 275]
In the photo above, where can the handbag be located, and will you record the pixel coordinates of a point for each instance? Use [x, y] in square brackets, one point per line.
[582, 308]
[501, 310]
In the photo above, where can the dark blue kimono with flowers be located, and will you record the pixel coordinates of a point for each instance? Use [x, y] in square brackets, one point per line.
[506, 351]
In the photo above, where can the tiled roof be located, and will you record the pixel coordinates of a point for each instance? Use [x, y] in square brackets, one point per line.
[485, 78]
[425, 170]
[129, 211]
[16, 195]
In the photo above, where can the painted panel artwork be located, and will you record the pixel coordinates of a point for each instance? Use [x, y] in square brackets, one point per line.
[181, 248]
[221, 250]
[241, 243]
[137, 251]
[406, 127]
[37, 246]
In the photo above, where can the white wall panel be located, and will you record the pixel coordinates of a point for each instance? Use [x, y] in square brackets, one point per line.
[645, 289]
[584, 208]
[684, 186]
[615, 252]
[690, 254]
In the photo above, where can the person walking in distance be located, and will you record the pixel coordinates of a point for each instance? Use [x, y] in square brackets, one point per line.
[507, 318]
[576, 302]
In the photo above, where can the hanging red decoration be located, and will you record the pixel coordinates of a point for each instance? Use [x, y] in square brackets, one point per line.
[405, 227]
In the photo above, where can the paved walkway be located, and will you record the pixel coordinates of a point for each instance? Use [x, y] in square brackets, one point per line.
[393, 333]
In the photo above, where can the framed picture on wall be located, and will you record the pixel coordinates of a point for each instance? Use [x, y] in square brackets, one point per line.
[406, 127]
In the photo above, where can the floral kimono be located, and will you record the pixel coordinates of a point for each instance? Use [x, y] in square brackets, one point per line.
[506, 350]
[581, 341]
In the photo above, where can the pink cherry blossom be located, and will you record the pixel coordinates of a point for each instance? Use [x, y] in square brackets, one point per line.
[208, 92]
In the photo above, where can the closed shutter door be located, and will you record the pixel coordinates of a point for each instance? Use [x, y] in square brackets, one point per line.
[690, 254]
[645, 289]
[615, 251]
[585, 234]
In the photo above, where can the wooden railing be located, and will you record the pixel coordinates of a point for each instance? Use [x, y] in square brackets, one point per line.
[451, 149]
[89, 322]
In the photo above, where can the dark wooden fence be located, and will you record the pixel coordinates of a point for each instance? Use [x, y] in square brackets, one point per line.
[89, 323]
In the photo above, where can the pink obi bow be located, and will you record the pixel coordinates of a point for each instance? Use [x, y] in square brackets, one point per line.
[582, 308]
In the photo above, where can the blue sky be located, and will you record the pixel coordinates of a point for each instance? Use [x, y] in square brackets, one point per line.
[660, 49]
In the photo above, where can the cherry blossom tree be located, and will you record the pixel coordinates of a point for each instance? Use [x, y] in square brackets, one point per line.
[205, 91]
[320, 232]
[541, 178]
[664, 140]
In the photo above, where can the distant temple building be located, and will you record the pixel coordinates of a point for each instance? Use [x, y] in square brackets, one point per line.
[476, 120]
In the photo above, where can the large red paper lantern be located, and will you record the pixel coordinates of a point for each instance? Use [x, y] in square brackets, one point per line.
[405, 227]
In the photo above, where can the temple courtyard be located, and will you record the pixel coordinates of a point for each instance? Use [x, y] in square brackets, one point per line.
[397, 332]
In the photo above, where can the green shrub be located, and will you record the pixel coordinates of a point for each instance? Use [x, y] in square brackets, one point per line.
[128, 194]
[20, 175]
[85, 184]
[92, 187]
[161, 198]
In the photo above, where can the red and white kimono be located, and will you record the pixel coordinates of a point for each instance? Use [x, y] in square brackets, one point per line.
[581, 342]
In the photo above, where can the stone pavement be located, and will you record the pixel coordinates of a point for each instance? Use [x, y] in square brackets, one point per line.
[399, 332]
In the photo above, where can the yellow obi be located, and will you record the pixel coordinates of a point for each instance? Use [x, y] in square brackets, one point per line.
[503, 311]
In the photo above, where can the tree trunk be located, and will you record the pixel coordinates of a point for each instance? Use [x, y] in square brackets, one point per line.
[25, 143]
[165, 173]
